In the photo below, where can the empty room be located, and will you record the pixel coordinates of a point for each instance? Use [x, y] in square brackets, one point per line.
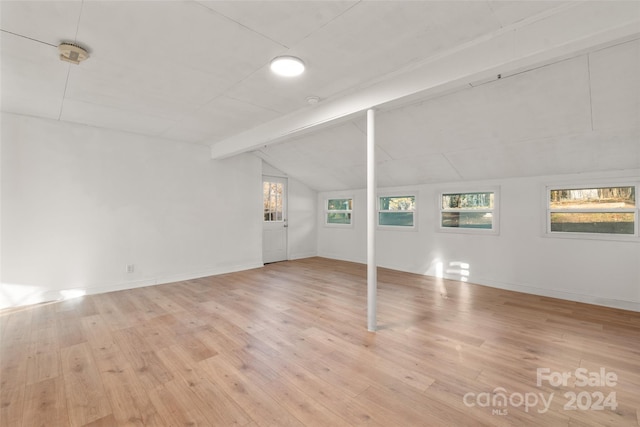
[319, 213]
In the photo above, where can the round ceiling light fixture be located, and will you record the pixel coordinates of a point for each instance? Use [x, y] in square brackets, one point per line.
[288, 66]
[313, 100]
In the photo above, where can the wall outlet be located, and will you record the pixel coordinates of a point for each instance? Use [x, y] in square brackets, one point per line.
[130, 268]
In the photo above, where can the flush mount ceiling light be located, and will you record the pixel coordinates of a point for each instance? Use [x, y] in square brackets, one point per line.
[288, 66]
[73, 53]
[313, 100]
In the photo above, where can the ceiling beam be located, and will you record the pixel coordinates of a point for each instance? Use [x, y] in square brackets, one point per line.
[571, 29]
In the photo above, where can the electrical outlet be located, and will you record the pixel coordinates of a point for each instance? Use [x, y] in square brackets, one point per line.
[130, 268]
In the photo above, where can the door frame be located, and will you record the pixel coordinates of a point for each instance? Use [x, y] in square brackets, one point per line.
[273, 225]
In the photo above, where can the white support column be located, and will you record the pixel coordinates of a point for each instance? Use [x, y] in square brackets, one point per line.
[372, 273]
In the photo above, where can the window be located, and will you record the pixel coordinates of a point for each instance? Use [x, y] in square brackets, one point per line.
[593, 210]
[338, 211]
[272, 201]
[397, 211]
[474, 211]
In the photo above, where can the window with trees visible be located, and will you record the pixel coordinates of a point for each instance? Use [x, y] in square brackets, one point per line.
[338, 211]
[469, 211]
[397, 211]
[594, 210]
[272, 201]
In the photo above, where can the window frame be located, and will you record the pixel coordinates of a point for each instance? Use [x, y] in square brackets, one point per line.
[399, 194]
[327, 211]
[495, 221]
[585, 235]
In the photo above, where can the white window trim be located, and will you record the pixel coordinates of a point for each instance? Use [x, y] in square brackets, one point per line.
[326, 211]
[401, 193]
[591, 236]
[493, 231]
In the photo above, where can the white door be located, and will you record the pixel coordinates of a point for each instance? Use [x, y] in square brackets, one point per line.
[274, 228]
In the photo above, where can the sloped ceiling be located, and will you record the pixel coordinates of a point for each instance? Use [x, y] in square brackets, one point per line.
[577, 115]
[197, 71]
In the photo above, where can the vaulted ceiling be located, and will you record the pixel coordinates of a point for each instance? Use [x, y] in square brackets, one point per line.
[197, 71]
[577, 115]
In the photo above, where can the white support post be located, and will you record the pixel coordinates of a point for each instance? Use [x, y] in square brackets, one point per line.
[372, 273]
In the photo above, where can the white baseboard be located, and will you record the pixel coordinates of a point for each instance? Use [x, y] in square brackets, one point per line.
[527, 289]
[342, 258]
[214, 271]
[20, 295]
[12, 296]
[301, 255]
[561, 294]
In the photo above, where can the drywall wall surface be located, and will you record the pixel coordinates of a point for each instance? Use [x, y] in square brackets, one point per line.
[303, 231]
[88, 210]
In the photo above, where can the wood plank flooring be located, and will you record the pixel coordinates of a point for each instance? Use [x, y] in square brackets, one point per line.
[287, 345]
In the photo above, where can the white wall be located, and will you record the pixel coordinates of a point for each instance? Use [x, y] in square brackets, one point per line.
[520, 258]
[303, 231]
[302, 206]
[80, 203]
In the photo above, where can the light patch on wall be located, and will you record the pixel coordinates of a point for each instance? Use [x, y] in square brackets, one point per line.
[15, 295]
[460, 269]
[455, 270]
[72, 293]
[435, 268]
[440, 269]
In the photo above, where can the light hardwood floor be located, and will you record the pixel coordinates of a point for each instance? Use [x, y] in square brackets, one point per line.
[287, 345]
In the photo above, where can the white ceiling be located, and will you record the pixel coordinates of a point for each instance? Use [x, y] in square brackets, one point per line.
[197, 71]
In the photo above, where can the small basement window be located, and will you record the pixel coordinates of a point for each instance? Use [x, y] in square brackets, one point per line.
[596, 210]
[338, 211]
[397, 211]
[469, 212]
